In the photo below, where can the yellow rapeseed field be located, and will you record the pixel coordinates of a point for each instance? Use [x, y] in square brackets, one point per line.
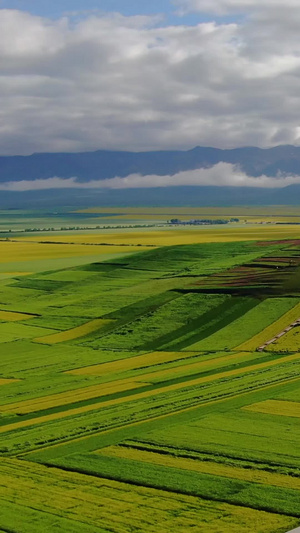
[4, 381]
[96, 391]
[32, 249]
[272, 330]
[130, 363]
[155, 358]
[289, 342]
[174, 236]
[12, 316]
[64, 398]
[123, 506]
[201, 366]
[74, 333]
[276, 407]
[6, 275]
[214, 377]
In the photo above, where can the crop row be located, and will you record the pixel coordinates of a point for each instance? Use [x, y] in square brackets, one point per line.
[74, 504]
[153, 402]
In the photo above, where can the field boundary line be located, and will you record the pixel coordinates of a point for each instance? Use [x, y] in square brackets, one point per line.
[154, 418]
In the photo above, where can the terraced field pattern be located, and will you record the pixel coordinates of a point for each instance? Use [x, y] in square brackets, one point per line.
[155, 392]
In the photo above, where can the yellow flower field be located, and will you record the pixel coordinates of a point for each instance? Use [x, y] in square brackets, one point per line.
[4, 381]
[130, 363]
[289, 342]
[32, 249]
[59, 494]
[172, 236]
[74, 333]
[272, 330]
[95, 391]
[276, 407]
[11, 316]
[64, 398]
[107, 432]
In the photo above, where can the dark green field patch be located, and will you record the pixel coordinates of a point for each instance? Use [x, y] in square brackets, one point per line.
[173, 316]
[39, 284]
[211, 322]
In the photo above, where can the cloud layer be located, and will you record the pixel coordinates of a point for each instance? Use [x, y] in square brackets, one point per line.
[222, 174]
[131, 83]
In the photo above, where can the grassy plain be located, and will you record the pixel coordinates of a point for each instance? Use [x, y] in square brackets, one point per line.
[242, 212]
[28, 255]
[174, 235]
[129, 365]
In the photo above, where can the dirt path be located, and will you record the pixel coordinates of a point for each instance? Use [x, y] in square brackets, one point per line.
[283, 332]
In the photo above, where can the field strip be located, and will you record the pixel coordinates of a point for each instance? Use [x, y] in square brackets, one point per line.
[271, 331]
[6, 381]
[202, 366]
[63, 398]
[95, 391]
[12, 251]
[44, 403]
[173, 236]
[204, 467]
[110, 433]
[139, 362]
[131, 363]
[74, 333]
[11, 274]
[14, 316]
[276, 407]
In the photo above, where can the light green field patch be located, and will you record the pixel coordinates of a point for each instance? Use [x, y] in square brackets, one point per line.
[74, 333]
[11, 331]
[246, 326]
[70, 275]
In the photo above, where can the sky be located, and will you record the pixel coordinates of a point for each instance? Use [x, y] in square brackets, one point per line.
[137, 75]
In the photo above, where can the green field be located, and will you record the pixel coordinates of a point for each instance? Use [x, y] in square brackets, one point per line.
[147, 390]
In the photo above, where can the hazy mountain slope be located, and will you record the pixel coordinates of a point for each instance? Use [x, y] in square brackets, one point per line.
[172, 196]
[105, 164]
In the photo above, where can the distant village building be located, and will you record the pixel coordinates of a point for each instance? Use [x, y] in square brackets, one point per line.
[200, 221]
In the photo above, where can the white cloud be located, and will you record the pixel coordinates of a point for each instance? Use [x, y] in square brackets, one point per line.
[222, 174]
[116, 82]
[225, 7]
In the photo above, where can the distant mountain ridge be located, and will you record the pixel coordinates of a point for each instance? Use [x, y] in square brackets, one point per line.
[103, 164]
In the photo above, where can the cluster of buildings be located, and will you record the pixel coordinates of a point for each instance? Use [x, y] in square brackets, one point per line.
[200, 221]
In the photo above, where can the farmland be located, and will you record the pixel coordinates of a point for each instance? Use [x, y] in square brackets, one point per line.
[137, 391]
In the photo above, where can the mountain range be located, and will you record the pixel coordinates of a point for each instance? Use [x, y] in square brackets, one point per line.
[102, 165]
